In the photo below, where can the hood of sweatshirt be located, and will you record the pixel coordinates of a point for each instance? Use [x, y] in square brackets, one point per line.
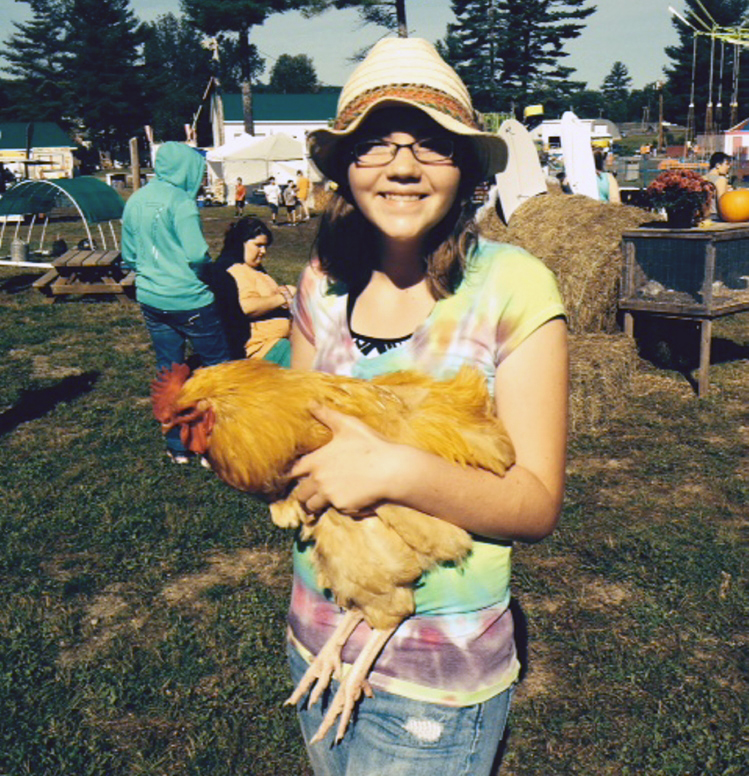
[180, 165]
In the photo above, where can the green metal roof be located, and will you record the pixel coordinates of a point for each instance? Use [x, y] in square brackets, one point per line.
[44, 134]
[95, 200]
[284, 107]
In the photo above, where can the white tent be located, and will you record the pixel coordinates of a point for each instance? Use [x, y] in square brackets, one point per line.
[254, 159]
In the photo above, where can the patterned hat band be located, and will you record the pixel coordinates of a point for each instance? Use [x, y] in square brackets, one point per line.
[426, 96]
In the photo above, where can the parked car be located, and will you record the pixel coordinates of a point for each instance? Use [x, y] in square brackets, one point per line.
[256, 196]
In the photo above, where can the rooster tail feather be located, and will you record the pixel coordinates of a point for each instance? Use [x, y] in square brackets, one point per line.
[165, 389]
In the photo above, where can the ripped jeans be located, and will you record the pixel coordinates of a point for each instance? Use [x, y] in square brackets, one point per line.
[396, 736]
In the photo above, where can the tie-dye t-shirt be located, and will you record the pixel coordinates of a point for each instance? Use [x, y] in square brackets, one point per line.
[458, 648]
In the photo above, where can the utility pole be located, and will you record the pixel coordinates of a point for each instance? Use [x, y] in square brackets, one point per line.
[400, 12]
[213, 95]
[660, 116]
[135, 162]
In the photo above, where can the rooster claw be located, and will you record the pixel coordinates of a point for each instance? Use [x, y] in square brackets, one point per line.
[342, 706]
[327, 664]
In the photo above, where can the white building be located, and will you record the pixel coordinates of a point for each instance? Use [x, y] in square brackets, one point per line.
[548, 133]
[291, 114]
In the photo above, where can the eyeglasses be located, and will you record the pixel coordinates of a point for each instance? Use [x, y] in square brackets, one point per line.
[378, 153]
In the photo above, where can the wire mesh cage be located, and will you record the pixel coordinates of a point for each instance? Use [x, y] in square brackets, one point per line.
[686, 272]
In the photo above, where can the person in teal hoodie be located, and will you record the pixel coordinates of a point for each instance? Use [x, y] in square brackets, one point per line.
[162, 240]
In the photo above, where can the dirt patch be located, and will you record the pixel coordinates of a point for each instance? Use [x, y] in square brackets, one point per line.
[599, 594]
[592, 465]
[540, 678]
[42, 366]
[271, 568]
[105, 617]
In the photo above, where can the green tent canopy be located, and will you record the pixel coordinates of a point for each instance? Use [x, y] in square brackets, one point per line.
[95, 201]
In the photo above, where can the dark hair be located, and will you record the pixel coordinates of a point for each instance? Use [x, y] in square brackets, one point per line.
[718, 158]
[238, 233]
[599, 157]
[346, 242]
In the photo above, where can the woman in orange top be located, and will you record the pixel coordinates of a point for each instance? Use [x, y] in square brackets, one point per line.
[254, 308]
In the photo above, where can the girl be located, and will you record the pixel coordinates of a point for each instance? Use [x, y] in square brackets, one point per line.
[403, 281]
[254, 308]
[608, 187]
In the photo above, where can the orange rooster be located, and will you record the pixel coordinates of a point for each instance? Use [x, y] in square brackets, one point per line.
[253, 420]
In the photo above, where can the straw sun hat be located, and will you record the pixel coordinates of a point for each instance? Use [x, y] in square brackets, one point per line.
[406, 71]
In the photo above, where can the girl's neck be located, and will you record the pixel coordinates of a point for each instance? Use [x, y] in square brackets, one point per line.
[402, 263]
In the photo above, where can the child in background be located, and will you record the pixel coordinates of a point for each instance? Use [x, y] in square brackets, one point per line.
[272, 193]
[302, 193]
[290, 201]
[240, 193]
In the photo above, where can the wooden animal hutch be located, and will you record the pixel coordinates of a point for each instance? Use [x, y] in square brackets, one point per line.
[693, 274]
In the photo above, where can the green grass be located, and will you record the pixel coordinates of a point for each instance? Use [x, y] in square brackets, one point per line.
[142, 605]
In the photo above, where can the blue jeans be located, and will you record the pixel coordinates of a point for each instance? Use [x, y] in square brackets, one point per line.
[170, 330]
[395, 736]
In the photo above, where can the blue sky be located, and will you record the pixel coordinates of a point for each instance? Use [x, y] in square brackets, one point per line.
[634, 32]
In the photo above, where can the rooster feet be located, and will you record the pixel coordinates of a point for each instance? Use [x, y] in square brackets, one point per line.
[349, 691]
[353, 684]
[327, 664]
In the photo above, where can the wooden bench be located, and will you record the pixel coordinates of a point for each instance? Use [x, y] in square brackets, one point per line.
[86, 273]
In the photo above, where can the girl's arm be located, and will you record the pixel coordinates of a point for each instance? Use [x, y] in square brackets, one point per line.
[302, 350]
[254, 305]
[614, 193]
[358, 468]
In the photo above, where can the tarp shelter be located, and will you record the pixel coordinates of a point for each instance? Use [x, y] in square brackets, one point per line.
[92, 199]
[254, 159]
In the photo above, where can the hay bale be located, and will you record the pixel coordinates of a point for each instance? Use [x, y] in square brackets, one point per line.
[601, 370]
[579, 239]
[320, 197]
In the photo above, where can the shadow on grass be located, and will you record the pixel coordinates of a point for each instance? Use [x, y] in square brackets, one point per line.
[37, 402]
[19, 283]
[675, 344]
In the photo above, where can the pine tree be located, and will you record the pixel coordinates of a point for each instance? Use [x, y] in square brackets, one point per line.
[34, 56]
[103, 79]
[474, 46]
[508, 51]
[678, 90]
[617, 83]
[616, 89]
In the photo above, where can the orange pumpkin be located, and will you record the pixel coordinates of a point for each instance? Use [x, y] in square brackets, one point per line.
[734, 205]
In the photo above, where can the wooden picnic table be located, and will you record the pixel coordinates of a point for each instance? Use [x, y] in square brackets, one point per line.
[87, 272]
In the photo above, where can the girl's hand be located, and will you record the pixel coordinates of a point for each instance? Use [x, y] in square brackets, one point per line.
[351, 472]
